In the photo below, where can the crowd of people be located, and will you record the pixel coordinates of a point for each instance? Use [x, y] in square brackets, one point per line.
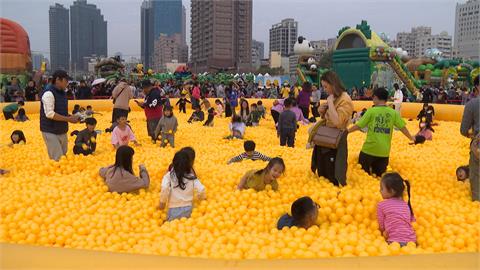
[11, 91]
[330, 123]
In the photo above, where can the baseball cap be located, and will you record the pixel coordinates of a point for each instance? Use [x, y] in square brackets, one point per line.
[61, 74]
[146, 83]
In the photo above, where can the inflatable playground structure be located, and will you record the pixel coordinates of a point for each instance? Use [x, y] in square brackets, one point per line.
[360, 56]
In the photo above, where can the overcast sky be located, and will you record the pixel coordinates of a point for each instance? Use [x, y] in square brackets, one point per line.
[317, 19]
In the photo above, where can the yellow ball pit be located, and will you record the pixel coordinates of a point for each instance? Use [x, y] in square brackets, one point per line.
[59, 214]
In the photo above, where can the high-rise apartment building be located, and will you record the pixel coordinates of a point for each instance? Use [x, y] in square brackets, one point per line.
[168, 49]
[161, 17]
[59, 37]
[442, 41]
[88, 31]
[467, 30]
[221, 35]
[420, 39]
[283, 36]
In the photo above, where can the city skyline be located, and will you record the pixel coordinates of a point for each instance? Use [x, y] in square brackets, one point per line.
[124, 29]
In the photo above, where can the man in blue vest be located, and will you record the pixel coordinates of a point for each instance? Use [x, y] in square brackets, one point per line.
[54, 115]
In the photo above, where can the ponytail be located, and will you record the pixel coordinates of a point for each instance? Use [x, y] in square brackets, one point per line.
[407, 184]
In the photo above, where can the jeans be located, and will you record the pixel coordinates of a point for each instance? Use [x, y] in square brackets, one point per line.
[57, 145]
[179, 212]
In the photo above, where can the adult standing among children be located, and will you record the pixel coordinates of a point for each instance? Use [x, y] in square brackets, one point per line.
[303, 99]
[153, 107]
[470, 128]
[54, 115]
[336, 113]
[122, 93]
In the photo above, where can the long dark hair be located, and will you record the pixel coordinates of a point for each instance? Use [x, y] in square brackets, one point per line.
[332, 78]
[247, 109]
[21, 136]
[395, 183]
[271, 163]
[182, 168]
[124, 158]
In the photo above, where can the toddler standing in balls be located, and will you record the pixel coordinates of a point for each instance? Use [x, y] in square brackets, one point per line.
[395, 216]
[179, 186]
[167, 126]
[86, 141]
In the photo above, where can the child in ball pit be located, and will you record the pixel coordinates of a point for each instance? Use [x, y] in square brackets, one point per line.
[250, 153]
[119, 177]
[179, 186]
[122, 134]
[394, 216]
[237, 128]
[86, 141]
[17, 137]
[304, 214]
[463, 173]
[258, 180]
[219, 107]
[166, 127]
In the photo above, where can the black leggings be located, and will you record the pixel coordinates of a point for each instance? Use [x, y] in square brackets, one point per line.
[275, 116]
[372, 164]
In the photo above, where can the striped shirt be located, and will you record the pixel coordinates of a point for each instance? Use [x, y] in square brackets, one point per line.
[255, 156]
[395, 219]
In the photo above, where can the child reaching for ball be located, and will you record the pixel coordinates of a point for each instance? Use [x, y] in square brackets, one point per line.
[167, 126]
[304, 214]
[122, 134]
[17, 137]
[86, 141]
[258, 180]
[394, 216]
[119, 177]
[179, 186]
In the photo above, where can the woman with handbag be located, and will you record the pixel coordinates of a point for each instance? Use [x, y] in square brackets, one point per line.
[329, 136]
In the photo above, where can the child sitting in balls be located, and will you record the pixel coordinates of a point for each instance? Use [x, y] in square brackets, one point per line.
[426, 130]
[463, 173]
[261, 108]
[17, 137]
[394, 215]
[119, 177]
[258, 180]
[179, 186]
[166, 127]
[237, 128]
[304, 214]
[86, 141]
[122, 134]
[197, 115]
[250, 153]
